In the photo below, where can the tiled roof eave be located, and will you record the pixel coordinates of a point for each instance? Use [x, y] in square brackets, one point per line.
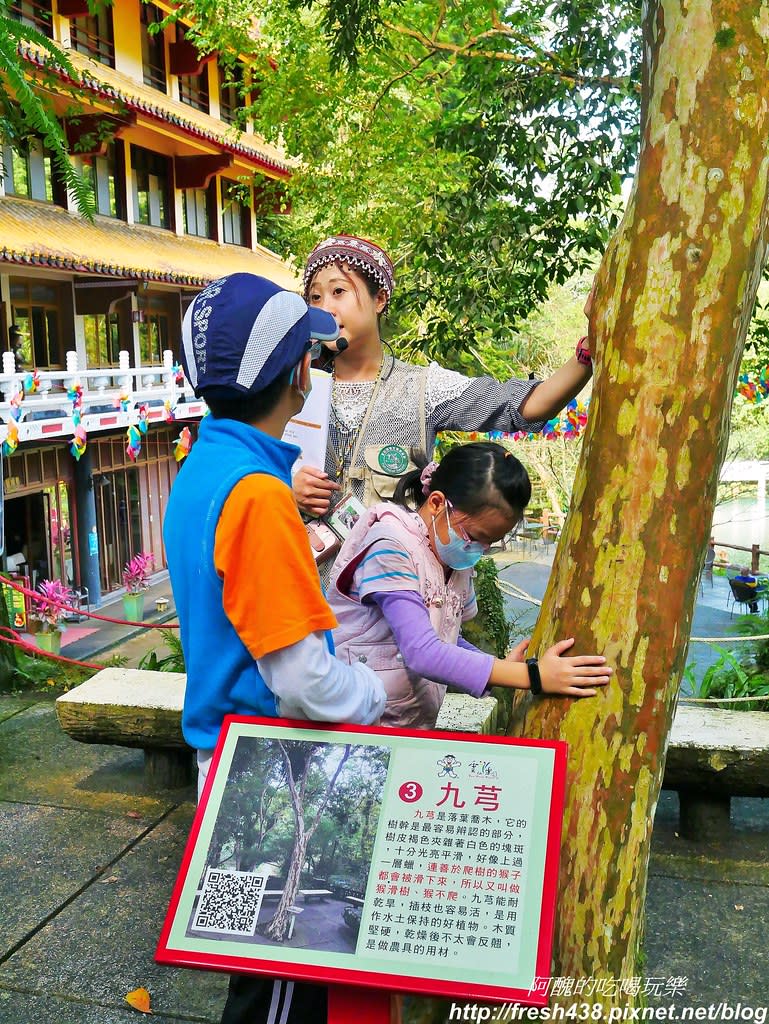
[98, 268]
[112, 94]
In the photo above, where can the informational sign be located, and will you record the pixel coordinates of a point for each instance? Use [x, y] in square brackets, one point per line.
[309, 429]
[415, 861]
[17, 609]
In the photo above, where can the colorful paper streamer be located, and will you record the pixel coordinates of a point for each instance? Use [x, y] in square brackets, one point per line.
[11, 442]
[79, 442]
[183, 444]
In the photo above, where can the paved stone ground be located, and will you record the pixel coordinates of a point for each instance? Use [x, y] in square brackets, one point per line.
[89, 854]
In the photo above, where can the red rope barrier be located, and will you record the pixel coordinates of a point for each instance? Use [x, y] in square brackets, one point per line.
[16, 640]
[38, 598]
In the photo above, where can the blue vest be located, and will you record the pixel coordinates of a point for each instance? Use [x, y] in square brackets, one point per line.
[222, 676]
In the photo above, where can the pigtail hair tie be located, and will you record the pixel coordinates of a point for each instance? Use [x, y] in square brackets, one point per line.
[426, 477]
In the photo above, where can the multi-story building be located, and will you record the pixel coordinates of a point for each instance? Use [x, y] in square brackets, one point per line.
[90, 312]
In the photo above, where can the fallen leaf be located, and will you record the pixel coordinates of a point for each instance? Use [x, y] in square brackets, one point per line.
[139, 999]
[133, 814]
[112, 878]
[739, 906]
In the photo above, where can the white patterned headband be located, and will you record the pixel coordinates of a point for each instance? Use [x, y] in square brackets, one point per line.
[355, 252]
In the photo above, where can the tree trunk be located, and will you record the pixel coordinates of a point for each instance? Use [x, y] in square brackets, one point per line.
[8, 662]
[676, 292]
[277, 928]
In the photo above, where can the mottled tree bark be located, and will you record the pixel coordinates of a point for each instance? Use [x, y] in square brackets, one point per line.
[676, 292]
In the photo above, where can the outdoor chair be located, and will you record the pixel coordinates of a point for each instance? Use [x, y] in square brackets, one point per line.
[80, 600]
[530, 532]
[741, 593]
[707, 566]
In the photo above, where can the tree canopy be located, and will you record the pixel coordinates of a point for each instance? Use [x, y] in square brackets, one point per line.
[485, 145]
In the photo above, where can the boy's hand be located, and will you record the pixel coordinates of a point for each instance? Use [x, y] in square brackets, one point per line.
[518, 653]
[313, 490]
[572, 677]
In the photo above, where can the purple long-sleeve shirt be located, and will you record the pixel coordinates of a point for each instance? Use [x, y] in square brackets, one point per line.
[461, 664]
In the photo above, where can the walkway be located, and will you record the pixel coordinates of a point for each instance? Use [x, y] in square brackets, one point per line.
[89, 854]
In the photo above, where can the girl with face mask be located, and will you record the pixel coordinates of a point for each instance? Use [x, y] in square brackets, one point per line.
[402, 586]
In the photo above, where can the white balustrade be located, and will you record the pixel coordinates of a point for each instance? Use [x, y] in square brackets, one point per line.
[153, 385]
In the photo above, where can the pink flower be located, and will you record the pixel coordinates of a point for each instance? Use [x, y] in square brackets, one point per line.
[137, 572]
[51, 606]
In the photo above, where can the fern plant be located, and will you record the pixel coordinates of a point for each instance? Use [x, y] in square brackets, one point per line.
[173, 661]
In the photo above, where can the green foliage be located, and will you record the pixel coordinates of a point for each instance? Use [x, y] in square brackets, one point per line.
[26, 112]
[172, 661]
[489, 630]
[756, 625]
[730, 677]
[256, 824]
[484, 145]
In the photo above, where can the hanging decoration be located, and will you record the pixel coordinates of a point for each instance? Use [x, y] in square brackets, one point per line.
[178, 373]
[11, 442]
[569, 425]
[17, 412]
[79, 442]
[32, 382]
[123, 401]
[134, 445]
[169, 411]
[75, 395]
[134, 433]
[754, 388]
[183, 445]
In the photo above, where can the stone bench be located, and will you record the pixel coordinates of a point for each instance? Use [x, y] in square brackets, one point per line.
[714, 755]
[137, 708]
[315, 894]
[133, 708]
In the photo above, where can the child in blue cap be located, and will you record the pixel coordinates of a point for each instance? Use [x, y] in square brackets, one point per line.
[252, 614]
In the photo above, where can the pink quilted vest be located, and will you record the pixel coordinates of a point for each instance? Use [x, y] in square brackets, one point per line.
[363, 633]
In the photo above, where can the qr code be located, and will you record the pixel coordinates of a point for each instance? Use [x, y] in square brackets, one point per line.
[229, 902]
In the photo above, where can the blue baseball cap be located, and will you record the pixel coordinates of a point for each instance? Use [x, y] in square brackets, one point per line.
[242, 332]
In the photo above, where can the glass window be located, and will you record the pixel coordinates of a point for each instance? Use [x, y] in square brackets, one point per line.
[102, 339]
[153, 337]
[107, 181]
[35, 309]
[235, 214]
[36, 13]
[29, 174]
[196, 212]
[153, 48]
[93, 36]
[193, 89]
[150, 187]
[230, 92]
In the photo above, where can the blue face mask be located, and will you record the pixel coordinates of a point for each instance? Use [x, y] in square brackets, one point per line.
[459, 552]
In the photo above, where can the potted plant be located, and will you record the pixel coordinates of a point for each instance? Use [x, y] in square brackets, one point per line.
[50, 609]
[136, 580]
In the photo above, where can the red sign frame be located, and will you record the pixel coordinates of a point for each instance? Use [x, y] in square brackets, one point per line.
[397, 983]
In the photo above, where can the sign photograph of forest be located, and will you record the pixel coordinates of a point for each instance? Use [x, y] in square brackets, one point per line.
[296, 817]
[373, 856]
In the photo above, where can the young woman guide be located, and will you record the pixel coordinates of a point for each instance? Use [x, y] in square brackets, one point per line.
[384, 409]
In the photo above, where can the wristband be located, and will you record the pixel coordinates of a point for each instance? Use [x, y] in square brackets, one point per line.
[583, 352]
[535, 679]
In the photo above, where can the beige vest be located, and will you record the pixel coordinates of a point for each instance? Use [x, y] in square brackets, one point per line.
[363, 633]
